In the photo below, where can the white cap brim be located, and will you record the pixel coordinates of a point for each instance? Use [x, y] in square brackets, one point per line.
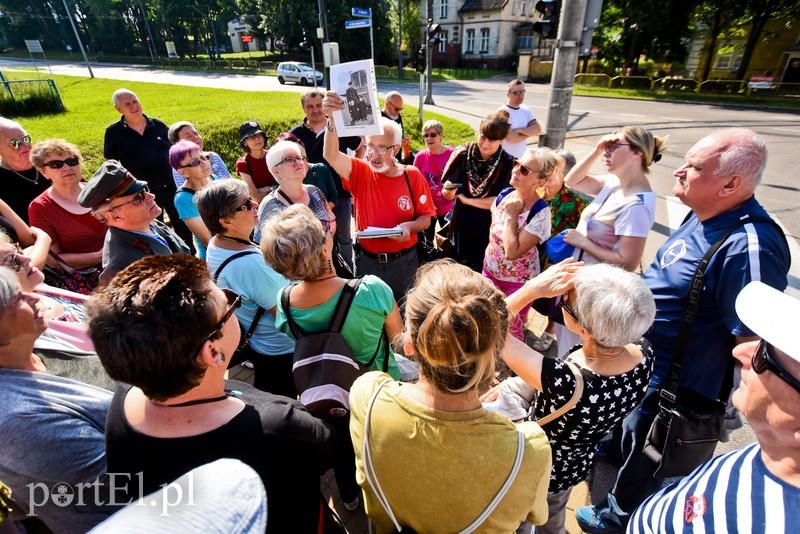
[772, 315]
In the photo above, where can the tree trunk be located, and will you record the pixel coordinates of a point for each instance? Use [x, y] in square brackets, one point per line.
[759, 21]
[712, 46]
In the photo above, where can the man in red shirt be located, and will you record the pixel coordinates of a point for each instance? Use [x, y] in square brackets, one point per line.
[386, 194]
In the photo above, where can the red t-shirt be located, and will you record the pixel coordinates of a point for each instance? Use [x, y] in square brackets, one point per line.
[70, 232]
[257, 169]
[385, 202]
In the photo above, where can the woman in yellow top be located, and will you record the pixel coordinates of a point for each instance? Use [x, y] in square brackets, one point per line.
[437, 456]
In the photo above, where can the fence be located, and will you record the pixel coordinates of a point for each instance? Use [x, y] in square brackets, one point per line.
[29, 97]
[690, 85]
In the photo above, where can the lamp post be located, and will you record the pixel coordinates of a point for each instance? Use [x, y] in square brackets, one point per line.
[78, 37]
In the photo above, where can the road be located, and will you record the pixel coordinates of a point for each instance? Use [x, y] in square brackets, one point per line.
[590, 118]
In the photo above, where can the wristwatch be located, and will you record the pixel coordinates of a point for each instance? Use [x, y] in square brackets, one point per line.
[328, 125]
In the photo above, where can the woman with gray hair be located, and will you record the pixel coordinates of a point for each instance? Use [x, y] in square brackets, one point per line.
[610, 309]
[234, 262]
[288, 164]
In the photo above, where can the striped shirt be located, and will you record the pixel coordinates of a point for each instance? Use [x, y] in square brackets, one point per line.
[732, 493]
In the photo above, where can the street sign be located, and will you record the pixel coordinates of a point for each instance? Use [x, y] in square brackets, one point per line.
[34, 46]
[247, 38]
[360, 23]
[361, 12]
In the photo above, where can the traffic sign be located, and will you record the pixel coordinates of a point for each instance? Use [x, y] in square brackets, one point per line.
[247, 38]
[361, 12]
[360, 23]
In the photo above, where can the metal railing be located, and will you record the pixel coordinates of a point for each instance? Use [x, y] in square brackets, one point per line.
[690, 85]
[29, 97]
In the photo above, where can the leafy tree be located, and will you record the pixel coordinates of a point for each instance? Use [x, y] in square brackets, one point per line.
[757, 13]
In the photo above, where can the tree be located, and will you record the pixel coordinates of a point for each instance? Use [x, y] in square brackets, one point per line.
[757, 13]
[717, 16]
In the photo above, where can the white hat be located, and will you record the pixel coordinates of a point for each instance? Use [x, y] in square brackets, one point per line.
[772, 315]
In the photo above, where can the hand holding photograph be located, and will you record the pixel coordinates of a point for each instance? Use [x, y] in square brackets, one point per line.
[354, 82]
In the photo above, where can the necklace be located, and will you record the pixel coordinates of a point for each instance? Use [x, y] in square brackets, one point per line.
[35, 181]
[195, 402]
[617, 357]
[237, 240]
[334, 275]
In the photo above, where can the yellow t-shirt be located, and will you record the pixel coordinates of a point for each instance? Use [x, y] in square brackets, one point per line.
[439, 470]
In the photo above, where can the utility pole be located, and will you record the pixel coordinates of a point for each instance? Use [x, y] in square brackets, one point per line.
[150, 44]
[429, 56]
[565, 66]
[399, 38]
[78, 37]
[323, 24]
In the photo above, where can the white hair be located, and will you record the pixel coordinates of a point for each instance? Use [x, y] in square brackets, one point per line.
[743, 152]
[615, 305]
[9, 287]
[392, 94]
[8, 124]
[392, 129]
[118, 93]
[278, 151]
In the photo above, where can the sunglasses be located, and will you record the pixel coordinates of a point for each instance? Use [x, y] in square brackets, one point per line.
[291, 160]
[138, 199]
[197, 162]
[566, 307]
[247, 206]
[764, 359]
[234, 301]
[427, 135]
[72, 161]
[614, 146]
[13, 260]
[525, 171]
[14, 143]
[517, 93]
[326, 226]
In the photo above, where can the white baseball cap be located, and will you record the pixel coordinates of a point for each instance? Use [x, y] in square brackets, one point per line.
[774, 316]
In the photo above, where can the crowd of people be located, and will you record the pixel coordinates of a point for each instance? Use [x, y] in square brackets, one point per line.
[118, 329]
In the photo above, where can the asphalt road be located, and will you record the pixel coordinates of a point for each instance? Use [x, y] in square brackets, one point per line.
[590, 118]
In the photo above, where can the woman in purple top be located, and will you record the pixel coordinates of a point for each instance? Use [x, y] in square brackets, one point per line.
[431, 163]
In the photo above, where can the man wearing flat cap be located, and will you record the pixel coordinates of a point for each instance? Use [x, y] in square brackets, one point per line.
[129, 209]
[755, 489]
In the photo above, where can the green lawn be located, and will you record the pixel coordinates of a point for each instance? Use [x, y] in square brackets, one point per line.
[216, 113]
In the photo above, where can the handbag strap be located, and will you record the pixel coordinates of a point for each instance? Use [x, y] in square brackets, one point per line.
[410, 193]
[372, 477]
[576, 396]
[668, 395]
[259, 312]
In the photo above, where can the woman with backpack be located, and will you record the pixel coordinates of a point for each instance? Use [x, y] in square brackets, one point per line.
[299, 246]
[235, 262]
[520, 221]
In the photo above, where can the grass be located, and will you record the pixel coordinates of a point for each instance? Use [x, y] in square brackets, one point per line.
[216, 113]
[673, 96]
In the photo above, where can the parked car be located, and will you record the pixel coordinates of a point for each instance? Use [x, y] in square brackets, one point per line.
[297, 72]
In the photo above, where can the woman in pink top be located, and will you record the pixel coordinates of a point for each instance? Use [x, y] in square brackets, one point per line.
[77, 235]
[431, 163]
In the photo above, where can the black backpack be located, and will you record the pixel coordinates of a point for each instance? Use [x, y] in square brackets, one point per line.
[324, 366]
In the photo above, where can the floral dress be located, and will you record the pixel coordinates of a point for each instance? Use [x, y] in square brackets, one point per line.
[605, 401]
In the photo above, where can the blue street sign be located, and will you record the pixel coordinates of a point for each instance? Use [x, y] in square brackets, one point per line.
[360, 23]
[361, 12]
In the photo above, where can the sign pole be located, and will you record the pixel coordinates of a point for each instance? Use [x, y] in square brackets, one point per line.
[78, 37]
[371, 42]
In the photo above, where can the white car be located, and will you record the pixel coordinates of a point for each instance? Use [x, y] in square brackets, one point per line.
[296, 72]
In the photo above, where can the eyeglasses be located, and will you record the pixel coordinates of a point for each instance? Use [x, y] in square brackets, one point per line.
[247, 206]
[13, 260]
[614, 146]
[525, 171]
[72, 161]
[197, 162]
[427, 135]
[234, 301]
[517, 93]
[397, 109]
[138, 199]
[14, 143]
[566, 307]
[764, 359]
[380, 149]
[291, 160]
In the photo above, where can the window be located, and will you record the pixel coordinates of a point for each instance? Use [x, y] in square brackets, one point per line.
[443, 42]
[470, 41]
[525, 42]
[443, 9]
[484, 39]
[522, 8]
[513, 8]
[728, 58]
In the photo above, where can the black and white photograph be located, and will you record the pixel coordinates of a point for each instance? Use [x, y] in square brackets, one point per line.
[355, 84]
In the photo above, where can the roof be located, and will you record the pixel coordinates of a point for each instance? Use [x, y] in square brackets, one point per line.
[482, 5]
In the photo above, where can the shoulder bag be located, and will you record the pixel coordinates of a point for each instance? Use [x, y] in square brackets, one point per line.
[686, 429]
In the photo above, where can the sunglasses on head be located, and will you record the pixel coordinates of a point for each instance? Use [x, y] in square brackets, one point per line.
[14, 143]
[197, 162]
[138, 199]
[234, 301]
[525, 171]
[72, 161]
[764, 359]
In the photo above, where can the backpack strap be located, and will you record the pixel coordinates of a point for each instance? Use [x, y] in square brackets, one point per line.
[186, 189]
[294, 328]
[538, 206]
[343, 306]
[259, 312]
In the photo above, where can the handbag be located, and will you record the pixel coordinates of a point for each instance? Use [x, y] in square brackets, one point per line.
[688, 426]
[372, 477]
[64, 276]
